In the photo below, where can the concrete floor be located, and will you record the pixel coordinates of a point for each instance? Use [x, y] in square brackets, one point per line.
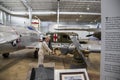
[18, 65]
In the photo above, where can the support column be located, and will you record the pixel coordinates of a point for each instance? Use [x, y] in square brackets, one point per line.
[30, 15]
[58, 12]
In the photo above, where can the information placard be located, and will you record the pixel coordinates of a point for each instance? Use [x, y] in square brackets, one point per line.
[110, 54]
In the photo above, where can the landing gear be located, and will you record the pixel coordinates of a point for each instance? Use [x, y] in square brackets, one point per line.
[36, 53]
[5, 55]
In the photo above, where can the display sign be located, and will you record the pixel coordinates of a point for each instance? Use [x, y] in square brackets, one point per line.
[71, 74]
[110, 54]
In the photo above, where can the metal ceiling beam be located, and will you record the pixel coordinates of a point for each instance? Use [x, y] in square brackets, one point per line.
[29, 10]
[47, 12]
[5, 9]
[54, 13]
[30, 15]
[79, 13]
[58, 11]
[85, 1]
[25, 4]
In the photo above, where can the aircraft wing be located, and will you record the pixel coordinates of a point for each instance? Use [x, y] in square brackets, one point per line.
[29, 37]
[92, 47]
[77, 29]
[96, 35]
[7, 37]
[34, 45]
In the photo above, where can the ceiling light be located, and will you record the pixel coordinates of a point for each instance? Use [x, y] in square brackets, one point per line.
[95, 20]
[88, 8]
[80, 15]
[77, 19]
[91, 22]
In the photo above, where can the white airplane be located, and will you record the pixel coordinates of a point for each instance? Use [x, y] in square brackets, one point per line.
[79, 28]
[93, 45]
[96, 31]
[16, 38]
[76, 28]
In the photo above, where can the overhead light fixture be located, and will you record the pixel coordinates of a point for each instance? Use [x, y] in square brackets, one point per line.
[36, 17]
[77, 19]
[88, 8]
[80, 15]
[95, 20]
[91, 22]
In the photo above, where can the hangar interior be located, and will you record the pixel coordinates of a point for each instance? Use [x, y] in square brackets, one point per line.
[46, 15]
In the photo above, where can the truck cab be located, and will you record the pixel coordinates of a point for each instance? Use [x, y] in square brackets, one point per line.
[62, 41]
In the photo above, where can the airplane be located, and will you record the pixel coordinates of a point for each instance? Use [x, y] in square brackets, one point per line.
[90, 46]
[17, 38]
[96, 31]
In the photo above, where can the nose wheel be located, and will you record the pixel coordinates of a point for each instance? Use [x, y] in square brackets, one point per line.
[5, 55]
[36, 53]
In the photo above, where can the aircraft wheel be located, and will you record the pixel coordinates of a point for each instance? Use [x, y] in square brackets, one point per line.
[36, 53]
[5, 55]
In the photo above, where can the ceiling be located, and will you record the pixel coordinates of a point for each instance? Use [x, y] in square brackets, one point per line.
[83, 11]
